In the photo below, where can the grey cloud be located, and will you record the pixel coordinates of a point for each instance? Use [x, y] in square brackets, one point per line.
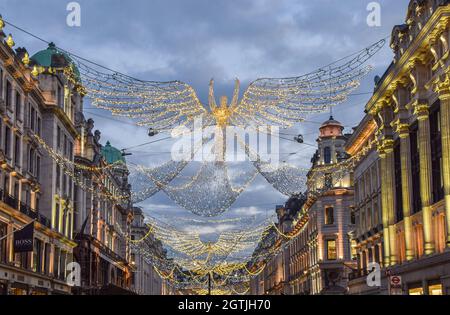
[195, 40]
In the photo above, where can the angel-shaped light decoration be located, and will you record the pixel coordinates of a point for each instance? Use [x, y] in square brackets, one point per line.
[274, 102]
[268, 101]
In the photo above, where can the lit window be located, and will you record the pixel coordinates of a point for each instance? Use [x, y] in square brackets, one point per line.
[415, 291]
[435, 289]
[331, 250]
[353, 249]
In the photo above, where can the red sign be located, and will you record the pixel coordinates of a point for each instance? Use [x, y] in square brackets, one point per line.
[396, 280]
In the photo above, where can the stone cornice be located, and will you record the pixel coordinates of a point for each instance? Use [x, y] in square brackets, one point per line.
[414, 53]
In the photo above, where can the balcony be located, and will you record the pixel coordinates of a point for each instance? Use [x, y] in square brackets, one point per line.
[24, 208]
[10, 201]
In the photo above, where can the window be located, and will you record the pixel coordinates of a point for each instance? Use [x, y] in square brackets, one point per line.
[56, 259]
[62, 267]
[18, 105]
[65, 145]
[436, 153]
[1, 82]
[64, 184]
[32, 118]
[37, 256]
[17, 146]
[331, 250]
[3, 232]
[23, 260]
[329, 215]
[60, 99]
[6, 184]
[415, 168]
[56, 219]
[47, 255]
[353, 249]
[16, 190]
[398, 182]
[31, 161]
[377, 253]
[327, 155]
[64, 220]
[9, 94]
[25, 195]
[38, 167]
[58, 177]
[58, 137]
[362, 222]
[8, 142]
[416, 291]
[71, 151]
[39, 126]
[435, 289]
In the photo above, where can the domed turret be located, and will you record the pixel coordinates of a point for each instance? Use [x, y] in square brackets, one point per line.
[52, 57]
[331, 128]
[111, 154]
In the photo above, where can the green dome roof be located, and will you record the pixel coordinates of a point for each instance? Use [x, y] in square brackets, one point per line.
[111, 154]
[49, 58]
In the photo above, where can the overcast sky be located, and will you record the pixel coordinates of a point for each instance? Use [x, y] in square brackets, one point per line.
[196, 40]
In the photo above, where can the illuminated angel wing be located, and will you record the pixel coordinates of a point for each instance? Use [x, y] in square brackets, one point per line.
[285, 101]
[159, 105]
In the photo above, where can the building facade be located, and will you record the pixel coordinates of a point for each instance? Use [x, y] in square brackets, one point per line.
[33, 106]
[104, 215]
[146, 281]
[368, 233]
[324, 243]
[315, 251]
[411, 108]
[267, 270]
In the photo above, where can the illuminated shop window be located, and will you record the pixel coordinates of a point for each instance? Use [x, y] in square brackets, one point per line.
[435, 289]
[416, 291]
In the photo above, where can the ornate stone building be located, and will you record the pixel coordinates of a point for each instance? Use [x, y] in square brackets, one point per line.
[34, 190]
[268, 278]
[322, 246]
[313, 240]
[411, 108]
[104, 215]
[146, 281]
[368, 234]
[56, 176]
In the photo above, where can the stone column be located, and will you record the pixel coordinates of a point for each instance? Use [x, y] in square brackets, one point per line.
[405, 152]
[422, 112]
[390, 201]
[445, 132]
[385, 214]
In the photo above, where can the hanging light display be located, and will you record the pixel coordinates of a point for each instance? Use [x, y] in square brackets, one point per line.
[281, 102]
